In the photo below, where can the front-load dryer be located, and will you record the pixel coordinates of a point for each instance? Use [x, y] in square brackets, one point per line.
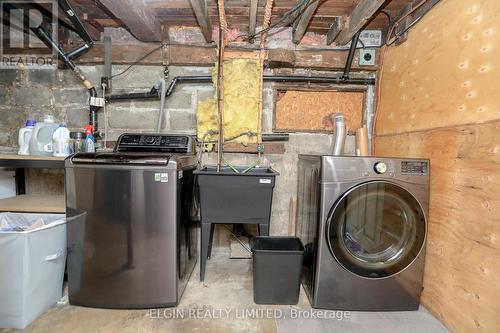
[364, 223]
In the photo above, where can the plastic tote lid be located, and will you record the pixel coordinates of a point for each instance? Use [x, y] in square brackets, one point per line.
[30, 123]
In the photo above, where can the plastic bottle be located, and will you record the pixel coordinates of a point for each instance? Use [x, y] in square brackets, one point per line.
[24, 137]
[60, 141]
[41, 139]
[88, 145]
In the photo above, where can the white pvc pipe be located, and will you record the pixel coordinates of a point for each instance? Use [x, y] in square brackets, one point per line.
[163, 91]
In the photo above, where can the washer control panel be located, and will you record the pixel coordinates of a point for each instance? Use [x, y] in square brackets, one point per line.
[414, 168]
[162, 143]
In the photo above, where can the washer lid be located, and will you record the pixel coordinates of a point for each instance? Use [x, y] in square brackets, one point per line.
[376, 229]
[122, 158]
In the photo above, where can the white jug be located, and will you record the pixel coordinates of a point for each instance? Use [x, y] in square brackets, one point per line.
[41, 139]
[60, 140]
[24, 138]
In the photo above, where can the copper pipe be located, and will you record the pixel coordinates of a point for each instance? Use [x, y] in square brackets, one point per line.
[262, 56]
[388, 41]
[220, 83]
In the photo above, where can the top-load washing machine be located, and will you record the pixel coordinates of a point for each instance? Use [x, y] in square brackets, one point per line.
[364, 223]
[135, 241]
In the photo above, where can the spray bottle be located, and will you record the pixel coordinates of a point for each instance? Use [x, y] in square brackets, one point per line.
[88, 145]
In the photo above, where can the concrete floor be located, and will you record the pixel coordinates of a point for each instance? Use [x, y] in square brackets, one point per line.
[224, 303]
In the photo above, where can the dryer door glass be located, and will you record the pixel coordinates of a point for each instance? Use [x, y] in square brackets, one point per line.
[376, 229]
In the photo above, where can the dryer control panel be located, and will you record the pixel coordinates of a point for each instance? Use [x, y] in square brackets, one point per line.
[414, 168]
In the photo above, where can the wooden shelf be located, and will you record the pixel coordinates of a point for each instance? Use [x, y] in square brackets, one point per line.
[30, 157]
[28, 161]
[29, 203]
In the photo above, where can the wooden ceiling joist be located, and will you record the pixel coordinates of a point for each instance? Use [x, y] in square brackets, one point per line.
[201, 12]
[139, 19]
[93, 32]
[254, 6]
[358, 18]
[335, 29]
[303, 21]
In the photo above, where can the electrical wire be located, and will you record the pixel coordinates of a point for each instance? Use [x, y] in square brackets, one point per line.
[231, 138]
[398, 35]
[203, 141]
[139, 60]
[299, 7]
[389, 41]
[389, 17]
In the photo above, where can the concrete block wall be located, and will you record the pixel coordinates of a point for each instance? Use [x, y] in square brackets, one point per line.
[30, 93]
[33, 92]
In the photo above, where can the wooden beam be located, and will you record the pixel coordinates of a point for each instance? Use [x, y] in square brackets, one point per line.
[201, 13]
[300, 28]
[139, 19]
[254, 6]
[335, 29]
[358, 18]
[93, 31]
[251, 148]
[203, 56]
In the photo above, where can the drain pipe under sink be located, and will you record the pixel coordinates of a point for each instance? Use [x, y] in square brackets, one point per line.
[340, 133]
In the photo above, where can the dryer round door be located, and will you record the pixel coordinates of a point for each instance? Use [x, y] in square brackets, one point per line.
[376, 229]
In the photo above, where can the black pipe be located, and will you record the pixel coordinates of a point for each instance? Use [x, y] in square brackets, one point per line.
[80, 29]
[350, 56]
[153, 93]
[319, 79]
[41, 32]
[93, 114]
[49, 42]
[75, 53]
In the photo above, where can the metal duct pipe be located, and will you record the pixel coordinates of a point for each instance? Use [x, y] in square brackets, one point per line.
[340, 133]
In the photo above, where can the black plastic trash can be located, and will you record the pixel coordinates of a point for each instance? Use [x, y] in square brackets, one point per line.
[277, 268]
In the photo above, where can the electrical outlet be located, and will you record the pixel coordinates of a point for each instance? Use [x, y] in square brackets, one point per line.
[371, 38]
[367, 57]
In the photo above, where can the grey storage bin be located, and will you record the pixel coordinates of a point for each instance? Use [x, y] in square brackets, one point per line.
[32, 260]
[277, 269]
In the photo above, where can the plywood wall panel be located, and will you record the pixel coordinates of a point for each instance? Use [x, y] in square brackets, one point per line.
[439, 99]
[462, 273]
[447, 72]
[309, 110]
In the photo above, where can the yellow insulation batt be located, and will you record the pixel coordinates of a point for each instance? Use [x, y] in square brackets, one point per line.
[242, 85]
